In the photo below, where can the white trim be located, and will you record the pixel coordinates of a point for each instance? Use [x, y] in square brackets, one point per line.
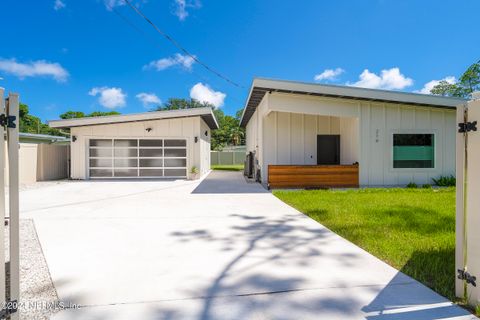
[155, 115]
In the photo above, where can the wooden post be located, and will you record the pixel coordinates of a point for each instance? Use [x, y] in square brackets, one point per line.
[12, 137]
[2, 203]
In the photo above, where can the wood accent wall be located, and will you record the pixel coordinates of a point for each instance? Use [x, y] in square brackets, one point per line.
[313, 176]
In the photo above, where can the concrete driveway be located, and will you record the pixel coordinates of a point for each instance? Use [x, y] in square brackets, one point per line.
[214, 249]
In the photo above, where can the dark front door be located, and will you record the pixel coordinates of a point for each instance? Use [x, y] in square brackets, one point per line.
[328, 149]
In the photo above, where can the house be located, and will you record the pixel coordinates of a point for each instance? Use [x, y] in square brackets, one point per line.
[316, 135]
[160, 144]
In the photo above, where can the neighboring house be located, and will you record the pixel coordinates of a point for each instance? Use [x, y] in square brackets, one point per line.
[160, 144]
[347, 136]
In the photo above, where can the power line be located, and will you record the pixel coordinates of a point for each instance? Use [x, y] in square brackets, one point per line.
[179, 46]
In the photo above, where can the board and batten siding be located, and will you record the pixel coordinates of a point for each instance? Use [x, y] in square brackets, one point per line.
[187, 128]
[291, 138]
[378, 123]
[284, 129]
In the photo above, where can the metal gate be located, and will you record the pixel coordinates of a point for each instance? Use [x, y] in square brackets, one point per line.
[134, 158]
[9, 295]
[467, 253]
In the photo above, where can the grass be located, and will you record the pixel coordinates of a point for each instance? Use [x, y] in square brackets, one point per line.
[413, 230]
[233, 167]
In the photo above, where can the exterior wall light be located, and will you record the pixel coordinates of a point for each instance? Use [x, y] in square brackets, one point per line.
[74, 138]
[196, 139]
[148, 129]
[206, 133]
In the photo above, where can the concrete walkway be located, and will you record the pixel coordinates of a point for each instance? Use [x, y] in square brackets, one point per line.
[214, 249]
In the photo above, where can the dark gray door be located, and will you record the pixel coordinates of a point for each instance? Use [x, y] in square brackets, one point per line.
[328, 149]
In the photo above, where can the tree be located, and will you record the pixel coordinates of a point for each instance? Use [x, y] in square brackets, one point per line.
[179, 103]
[79, 114]
[229, 131]
[32, 124]
[468, 83]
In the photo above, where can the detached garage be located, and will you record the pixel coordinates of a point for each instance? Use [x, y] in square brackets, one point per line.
[161, 144]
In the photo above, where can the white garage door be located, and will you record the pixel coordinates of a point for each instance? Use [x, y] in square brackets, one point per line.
[133, 158]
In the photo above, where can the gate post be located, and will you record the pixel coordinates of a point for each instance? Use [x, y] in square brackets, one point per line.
[467, 221]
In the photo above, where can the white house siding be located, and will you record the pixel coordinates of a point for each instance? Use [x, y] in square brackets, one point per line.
[284, 129]
[205, 136]
[378, 122]
[291, 138]
[186, 128]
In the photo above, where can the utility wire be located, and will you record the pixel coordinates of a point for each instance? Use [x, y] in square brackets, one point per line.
[179, 46]
[147, 37]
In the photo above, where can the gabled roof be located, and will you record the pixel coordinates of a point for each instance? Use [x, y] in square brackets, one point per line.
[205, 113]
[261, 86]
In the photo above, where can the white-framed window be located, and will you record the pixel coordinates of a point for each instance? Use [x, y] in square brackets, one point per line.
[413, 150]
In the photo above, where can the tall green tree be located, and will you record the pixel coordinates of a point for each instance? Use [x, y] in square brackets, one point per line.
[229, 132]
[32, 124]
[179, 103]
[468, 83]
[79, 114]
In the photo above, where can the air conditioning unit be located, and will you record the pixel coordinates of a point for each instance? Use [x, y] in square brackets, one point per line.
[249, 165]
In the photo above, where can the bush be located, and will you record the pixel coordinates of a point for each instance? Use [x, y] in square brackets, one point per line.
[427, 186]
[412, 185]
[444, 181]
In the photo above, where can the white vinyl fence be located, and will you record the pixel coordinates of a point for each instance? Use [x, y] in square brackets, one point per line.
[227, 158]
[9, 124]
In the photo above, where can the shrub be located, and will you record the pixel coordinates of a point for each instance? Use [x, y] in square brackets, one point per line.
[427, 186]
[412, 185]
[444, 181]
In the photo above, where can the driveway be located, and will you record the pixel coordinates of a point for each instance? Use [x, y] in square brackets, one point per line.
[219, 248]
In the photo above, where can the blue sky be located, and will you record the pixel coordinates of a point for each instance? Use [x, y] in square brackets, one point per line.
[64, 55]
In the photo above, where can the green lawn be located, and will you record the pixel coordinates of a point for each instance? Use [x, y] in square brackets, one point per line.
[234, 167]
[413, 230]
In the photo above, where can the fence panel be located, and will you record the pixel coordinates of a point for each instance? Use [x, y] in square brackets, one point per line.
[52, 162]
[227, 158]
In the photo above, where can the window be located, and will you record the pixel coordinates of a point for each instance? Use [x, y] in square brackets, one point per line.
[413, 150]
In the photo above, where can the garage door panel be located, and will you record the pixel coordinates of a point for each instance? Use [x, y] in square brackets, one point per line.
[125, 163]
[126, 143]
[152, 153]
[151, 163]
[100, 173]
[101, 163]
[137, 158]
[151, 143]
[151, 172]
[175, 143]
[100, 152]
[100, 143]
[175, 172]
[118, 172]
[126, 152]
[175, 152]
[176, 163]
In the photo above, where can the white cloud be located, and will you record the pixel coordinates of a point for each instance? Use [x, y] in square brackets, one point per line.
[148, 99]
[204, 93]
[329, 74]
[110, 4]
[178, 59]
[58, 4]
[429, 85]
[181, 8]
[109, 97]
[34, 69]
[389, 79]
